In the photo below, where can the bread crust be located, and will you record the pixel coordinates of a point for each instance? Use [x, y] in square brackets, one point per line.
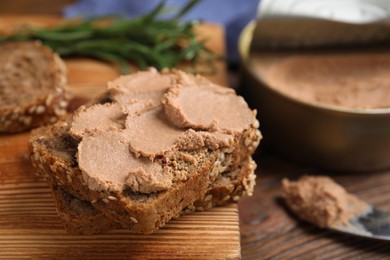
[51, 100]
[80, 217]
[239, 182]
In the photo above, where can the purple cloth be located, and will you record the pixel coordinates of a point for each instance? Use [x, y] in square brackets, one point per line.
[233, 14]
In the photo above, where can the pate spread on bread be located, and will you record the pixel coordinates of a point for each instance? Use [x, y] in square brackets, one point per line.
[144, 154]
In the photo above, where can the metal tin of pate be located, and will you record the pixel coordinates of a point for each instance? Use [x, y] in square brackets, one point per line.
[330, 137]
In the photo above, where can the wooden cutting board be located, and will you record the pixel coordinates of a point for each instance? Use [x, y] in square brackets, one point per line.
[30, 227]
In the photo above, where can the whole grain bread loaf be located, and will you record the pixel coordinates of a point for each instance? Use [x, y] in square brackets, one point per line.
[80, 217]
[32, 81]
[157, 179]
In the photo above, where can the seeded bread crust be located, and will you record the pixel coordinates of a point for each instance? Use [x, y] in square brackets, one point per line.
[48, 106]
[228, 188]
[80, 217]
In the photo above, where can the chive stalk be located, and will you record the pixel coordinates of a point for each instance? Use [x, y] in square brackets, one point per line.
[145, 40]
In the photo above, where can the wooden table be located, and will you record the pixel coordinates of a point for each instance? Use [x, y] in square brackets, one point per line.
[270, 231]
[267, 229]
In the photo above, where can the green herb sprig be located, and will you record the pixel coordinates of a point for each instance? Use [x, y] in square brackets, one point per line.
[146, 40]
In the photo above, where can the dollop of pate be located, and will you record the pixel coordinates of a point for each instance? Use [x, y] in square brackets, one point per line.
[124, 143]
[149, 86]
[206, 107]
[97, 117]
[106, 163]
[151, 134]
[321, 201]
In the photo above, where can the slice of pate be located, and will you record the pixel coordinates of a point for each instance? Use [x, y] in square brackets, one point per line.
[206, 107]
[107, 163]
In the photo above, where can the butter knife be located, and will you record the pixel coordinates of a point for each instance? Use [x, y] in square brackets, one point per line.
[372, 223]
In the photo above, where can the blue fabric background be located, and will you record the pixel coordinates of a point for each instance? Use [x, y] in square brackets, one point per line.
[233, 14]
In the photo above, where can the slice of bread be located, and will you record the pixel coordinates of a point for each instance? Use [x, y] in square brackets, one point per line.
[54, 158]
[80, 217]
[105, 155]
[32, 81]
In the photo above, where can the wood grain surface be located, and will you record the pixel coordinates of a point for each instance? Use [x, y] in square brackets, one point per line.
[30, 227]
[37, 7]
